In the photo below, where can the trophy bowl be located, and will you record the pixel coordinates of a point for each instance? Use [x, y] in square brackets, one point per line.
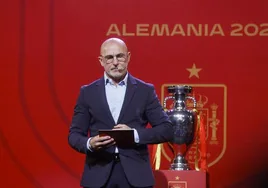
[184, 124]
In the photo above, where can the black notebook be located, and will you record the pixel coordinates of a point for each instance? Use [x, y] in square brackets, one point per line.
[123, 138]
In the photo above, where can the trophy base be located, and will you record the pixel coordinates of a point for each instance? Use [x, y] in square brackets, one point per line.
[179, 163]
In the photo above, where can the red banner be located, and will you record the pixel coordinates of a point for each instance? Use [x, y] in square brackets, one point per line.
[50, 48]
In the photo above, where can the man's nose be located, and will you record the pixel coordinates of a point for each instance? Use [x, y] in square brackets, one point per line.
[115, 61]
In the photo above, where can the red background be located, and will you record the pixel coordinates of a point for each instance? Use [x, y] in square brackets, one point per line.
[50, 48]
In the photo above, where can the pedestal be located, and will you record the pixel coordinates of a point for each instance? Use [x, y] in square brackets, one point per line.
[179, 179]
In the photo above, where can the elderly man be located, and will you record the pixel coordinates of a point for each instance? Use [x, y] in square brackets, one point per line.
[117, 101]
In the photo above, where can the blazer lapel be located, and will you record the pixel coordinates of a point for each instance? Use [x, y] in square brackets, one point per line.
[104, 104]
[131, 88]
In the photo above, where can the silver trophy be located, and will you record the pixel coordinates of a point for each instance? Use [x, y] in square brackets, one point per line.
[184, 124]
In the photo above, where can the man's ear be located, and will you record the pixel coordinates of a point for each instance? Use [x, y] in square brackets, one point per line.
[100, 60]
[129, 55]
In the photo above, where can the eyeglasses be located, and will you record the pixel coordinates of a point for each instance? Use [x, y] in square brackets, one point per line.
[121, 57]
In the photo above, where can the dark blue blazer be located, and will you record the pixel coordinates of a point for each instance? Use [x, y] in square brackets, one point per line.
[140, 107]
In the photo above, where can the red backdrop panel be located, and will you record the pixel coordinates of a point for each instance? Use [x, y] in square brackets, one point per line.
[50, 48]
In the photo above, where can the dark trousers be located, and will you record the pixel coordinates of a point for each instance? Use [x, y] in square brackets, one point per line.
[118, 178]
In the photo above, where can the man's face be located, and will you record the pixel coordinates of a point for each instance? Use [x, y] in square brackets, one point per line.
[115, 58]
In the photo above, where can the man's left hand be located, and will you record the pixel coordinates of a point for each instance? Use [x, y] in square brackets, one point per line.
[122, 126]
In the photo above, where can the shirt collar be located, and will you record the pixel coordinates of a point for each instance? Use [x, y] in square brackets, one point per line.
[109, 80]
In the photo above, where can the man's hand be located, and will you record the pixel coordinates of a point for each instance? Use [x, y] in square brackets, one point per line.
[100, 142]
[122, 126]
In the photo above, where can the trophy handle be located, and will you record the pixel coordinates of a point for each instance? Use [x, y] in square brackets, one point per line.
[193, 99]
[165, 100]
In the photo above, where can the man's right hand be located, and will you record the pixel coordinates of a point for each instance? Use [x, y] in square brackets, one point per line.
[101, 142]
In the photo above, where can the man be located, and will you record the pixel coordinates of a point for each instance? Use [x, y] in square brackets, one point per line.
[117, 101]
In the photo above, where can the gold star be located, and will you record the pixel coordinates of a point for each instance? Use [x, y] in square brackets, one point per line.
[177, 177]
[194, 71]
